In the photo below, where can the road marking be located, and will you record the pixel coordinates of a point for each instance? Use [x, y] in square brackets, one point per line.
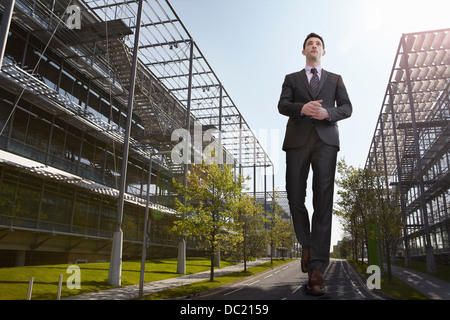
[233, 291]
[357, 290]
[297, 289]
[270, 275]
[253, 282]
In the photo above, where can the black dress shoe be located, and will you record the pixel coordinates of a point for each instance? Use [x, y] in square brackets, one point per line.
[305, 259]
[315, 283]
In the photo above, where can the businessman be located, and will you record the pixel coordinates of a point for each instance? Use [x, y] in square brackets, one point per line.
[315, 100]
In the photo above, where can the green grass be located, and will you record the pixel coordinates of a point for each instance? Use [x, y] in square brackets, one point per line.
[202, 286]
[94, 277]
[396, 288]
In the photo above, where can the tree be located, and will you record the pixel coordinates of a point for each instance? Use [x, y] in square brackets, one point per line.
[388, 218]
[281, 230]
[350, 208]
[207, 214]
[250, 225]
[365, 198]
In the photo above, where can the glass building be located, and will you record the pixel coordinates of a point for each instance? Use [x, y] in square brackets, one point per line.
[411, 143]
[64, 98]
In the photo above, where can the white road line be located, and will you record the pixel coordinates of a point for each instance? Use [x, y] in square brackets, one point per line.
[357, 290]
[270, 275]
[233, 291]
[297, 289]
[253, 282]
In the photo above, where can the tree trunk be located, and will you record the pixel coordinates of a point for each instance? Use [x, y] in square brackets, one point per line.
[213, 251]
[388, 261]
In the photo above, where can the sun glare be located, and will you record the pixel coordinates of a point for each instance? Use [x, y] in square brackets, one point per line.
[407, 16]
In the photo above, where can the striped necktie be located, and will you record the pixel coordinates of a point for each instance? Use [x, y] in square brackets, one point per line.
[314, 81]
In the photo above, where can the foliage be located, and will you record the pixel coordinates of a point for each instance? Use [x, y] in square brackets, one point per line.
[365, 198]
[282, 234]
[251, 225]
[214, 210]
[206, 212]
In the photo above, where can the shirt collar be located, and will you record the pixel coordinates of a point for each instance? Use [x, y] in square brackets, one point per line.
[308, 69]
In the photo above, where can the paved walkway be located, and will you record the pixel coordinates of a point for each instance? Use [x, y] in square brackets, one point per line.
[428, 285]
[132, 292]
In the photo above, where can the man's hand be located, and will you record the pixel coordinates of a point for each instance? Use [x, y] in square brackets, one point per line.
[315, 110]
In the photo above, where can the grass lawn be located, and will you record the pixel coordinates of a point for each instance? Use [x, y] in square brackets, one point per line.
[94, 277]
[396, 289]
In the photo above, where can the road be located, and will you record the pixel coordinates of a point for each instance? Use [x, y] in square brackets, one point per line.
[287, 282]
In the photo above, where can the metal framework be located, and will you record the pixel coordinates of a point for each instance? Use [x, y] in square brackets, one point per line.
[66, 98]
[169, 53]
[269, 199]
[412, 138]
[173, 79]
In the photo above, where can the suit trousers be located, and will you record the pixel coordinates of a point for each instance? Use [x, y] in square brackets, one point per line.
[321, 157]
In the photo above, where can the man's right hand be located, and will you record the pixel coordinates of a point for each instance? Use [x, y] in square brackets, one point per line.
[312, 109]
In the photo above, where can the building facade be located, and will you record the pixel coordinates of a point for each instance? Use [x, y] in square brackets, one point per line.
[63, 113]
[411, 143]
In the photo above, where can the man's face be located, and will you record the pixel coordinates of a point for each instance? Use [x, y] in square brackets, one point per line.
[313, 49]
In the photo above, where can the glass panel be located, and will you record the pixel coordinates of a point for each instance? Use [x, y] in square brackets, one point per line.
[56, 208]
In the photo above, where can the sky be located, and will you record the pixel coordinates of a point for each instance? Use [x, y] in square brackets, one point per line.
[252, 44]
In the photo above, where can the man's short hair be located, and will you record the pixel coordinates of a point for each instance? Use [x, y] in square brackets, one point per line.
[313, 35]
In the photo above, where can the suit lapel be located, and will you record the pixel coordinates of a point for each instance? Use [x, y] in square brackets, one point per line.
[323, 78]
[305, 81]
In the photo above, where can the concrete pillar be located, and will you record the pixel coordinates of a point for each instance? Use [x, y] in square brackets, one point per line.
[181, 264]
[20, 258]
[115, 264]
[217, 260]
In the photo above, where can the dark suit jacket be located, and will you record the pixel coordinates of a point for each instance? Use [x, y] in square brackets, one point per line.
[296, 93]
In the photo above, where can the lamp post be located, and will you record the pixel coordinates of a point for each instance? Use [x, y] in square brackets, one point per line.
[146, 224]
[4, 27]
[115, 266]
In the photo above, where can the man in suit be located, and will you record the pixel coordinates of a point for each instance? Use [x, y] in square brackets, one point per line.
[314, 100]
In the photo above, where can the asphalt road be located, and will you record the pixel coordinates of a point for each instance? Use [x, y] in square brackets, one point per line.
[287, 282]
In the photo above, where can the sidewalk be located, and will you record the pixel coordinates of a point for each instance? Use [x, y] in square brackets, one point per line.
[132, 292]
[428, 285]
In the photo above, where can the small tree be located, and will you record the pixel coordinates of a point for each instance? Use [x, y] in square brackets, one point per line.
[350, 207]
[388, 218]
[366, 198]
[281, 230]
[210, 192]
[250, 225]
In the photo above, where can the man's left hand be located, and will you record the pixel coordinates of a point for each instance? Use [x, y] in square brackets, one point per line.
[320, 114]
